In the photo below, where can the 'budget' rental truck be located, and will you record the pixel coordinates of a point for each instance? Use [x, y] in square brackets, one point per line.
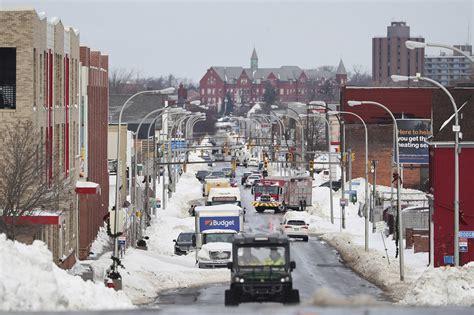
[216, 227]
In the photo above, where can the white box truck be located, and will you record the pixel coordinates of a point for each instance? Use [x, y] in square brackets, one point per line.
[216, 227]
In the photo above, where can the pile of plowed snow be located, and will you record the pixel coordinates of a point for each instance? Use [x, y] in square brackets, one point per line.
[30, 281]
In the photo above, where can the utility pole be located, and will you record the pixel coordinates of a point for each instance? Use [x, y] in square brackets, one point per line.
[373, 170]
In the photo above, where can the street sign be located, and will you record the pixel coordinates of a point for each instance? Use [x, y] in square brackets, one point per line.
[463, 245]
[466, 234]
[343, 202]
[380, 226]
[122, 240]
[448, 260]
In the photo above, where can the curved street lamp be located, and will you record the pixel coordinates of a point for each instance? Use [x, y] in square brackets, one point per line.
[397, 157]
[457, 130]
[366, 212]
[114, 274]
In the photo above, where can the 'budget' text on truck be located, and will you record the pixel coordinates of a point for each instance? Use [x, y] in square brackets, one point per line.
[216, 227]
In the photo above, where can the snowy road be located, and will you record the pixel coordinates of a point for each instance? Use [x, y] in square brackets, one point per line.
[317, 267]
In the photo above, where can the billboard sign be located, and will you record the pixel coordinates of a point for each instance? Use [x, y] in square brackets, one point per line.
[412, 137]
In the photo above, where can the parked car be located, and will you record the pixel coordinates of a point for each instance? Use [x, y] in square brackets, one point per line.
[251, 180]
[184, 243]
[244, 177]
[201, 175]
[336, 185]
[294, 226]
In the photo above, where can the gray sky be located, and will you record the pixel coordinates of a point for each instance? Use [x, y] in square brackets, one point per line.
[186, 37]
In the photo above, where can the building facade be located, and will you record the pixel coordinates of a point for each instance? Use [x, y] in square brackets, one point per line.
[42, 86]
[407, 102]
[221, 86]
[94, 108]
[449, 69]
[390, 55]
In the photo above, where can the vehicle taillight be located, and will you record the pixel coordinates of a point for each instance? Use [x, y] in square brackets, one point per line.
[304, 227]
[287, 226]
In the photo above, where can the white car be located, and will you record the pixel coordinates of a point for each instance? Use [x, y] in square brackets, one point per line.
[295, 226]
[251, 180]
[253, 162]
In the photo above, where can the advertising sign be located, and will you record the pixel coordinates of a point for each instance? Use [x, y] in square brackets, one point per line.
[412, 137]
[220, 223]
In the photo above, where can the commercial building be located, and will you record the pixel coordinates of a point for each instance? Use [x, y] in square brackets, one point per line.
[406, 102]
[441, 174]
[449, 69]
[390, 55]
[41, 85]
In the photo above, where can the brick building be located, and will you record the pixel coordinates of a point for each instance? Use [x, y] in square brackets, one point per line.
[390, 55]
[42, 85]
[221, 85]
[94, 108]
[409, 102]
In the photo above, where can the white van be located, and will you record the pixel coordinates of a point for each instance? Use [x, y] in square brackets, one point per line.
[227, 195]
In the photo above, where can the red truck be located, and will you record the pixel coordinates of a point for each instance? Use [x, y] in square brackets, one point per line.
[282, 193]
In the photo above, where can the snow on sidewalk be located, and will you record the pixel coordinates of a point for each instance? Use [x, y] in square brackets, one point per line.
[149, 272]
[30, 281]
[372, 265]
[443, 286]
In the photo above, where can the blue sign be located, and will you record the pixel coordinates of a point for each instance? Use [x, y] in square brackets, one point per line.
[412, 137]
[178, 144]
[462, 249]
[448, 260]
[466, 234]
[220, 223]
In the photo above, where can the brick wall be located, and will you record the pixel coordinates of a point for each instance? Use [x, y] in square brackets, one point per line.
[380, 148]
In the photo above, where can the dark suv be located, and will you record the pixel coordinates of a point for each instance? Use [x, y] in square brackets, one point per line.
[184, 244]
[261, 270]
[201, 175]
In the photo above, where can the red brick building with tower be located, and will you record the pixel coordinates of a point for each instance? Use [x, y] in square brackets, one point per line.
[248, 85]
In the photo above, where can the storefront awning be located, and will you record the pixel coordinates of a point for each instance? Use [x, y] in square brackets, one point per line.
[87, 188]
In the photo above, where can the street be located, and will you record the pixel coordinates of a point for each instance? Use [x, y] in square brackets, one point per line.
[318, 265]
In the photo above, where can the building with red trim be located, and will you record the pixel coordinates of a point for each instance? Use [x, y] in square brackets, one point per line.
[93, 182]
[42, 85]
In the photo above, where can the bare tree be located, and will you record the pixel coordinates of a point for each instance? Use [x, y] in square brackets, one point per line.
[315, 135]
[359, 77]
[24, 187]
[118, 79]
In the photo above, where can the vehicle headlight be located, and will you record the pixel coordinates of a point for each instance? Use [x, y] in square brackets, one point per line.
[285, 279]
[238, 279]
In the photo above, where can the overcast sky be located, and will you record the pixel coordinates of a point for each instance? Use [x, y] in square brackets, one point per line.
[186, 37]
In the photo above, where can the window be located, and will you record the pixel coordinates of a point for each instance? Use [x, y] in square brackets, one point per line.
[7, 78]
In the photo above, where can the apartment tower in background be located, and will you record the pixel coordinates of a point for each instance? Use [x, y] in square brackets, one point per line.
[390, 55]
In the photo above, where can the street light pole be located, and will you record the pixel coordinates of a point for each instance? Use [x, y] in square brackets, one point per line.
[366, 212]
[399, 209]
[457, 149]
[114, 274]
[331, 201]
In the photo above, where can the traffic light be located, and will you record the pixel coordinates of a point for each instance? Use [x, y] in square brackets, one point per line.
[311, 165]
[290, 157]
[353, 156]
[265, 164]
